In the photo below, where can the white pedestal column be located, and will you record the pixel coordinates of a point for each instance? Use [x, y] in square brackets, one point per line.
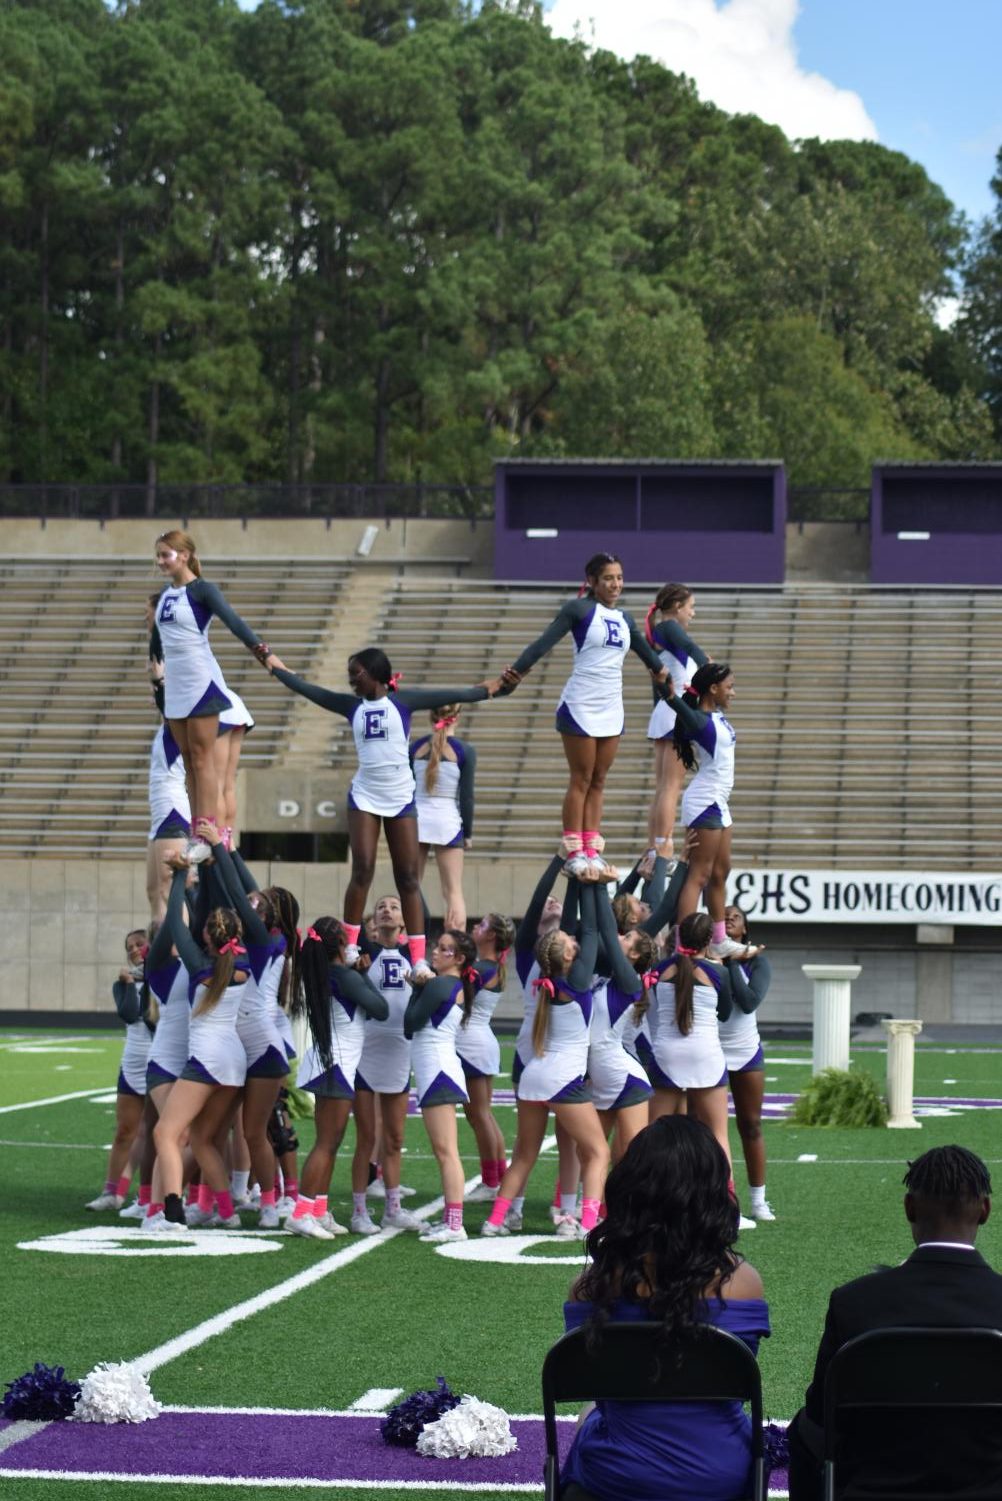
[901, 1037]
[832, 987]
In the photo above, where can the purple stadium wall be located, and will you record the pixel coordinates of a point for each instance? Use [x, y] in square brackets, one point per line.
[936, 524]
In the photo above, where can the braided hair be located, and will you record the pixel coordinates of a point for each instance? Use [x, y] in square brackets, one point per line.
[952, 1175]
[703, 680]
[437, 742]
[502, 930]
[285, 917]
[322, 947]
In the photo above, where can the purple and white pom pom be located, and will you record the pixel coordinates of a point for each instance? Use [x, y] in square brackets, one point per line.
[473, 1430]
[115, 1393]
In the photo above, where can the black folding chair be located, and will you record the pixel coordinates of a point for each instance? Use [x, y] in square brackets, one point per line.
[899, 1369]
[633, 1363]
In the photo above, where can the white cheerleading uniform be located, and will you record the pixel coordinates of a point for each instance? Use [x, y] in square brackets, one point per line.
[707, 796]
[193, 679]
[559, 1076]
[682, 657]
[237, 716]
[617, 1079]
[478, 1048]
[216, 1054]
[739, 1034]
[169, 1050]
[385, 1063]
[523, 1042]
[257, 1025]
[135, 1055]
[592, 699]
[348, 1026]
[438, 1073]
[439, 819]
[695, 1061]
[170, 810]
[384, 782]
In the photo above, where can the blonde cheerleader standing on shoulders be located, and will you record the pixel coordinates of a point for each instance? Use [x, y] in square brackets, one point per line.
[444, 769]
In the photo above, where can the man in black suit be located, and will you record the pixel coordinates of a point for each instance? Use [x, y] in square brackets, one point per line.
[945, 1283]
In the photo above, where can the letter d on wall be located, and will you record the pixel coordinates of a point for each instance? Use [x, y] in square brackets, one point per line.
[288, 808]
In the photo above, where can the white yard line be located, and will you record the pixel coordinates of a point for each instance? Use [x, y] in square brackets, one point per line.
[282, 1482]
[376, 1400]
[18, 1432]
[62, 1146]
[55, 1099]
[220, 1322]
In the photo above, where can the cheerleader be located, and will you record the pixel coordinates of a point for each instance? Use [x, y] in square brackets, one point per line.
[382, 790]
[444, 769]
[196, 691]
[132, 997]
[739, 1038]
[235, 723]
[202, 1098]
[705, 740]
[436, 1010]
[267, 1060]
[479, 1050]
[338, 1001]
[691, 995]
[170, 816]
[590, 716]
[554, 1078]
[383, 1078]
[621, 1089]
[676, 607]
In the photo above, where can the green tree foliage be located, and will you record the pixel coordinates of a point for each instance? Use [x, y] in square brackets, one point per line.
[392, 239]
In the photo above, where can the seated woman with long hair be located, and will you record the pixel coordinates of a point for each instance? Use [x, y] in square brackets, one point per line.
[665, 1253]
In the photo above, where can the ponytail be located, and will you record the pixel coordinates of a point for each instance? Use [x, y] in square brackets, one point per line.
[695, 932]
[550, 958]
[225, 931]
[447, 717]
[285, 917]
[503, 932]
[645, 953]
[466, 953]
[703, 680]
[322, 945]
[668, 598]
[183, 542]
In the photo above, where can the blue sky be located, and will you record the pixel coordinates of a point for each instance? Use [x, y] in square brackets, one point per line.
[921, 76]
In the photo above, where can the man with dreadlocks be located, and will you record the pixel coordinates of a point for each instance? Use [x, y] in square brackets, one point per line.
[944, 1283]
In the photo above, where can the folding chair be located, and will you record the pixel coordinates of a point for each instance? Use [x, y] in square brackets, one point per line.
[896, 1369]
[634, 1363]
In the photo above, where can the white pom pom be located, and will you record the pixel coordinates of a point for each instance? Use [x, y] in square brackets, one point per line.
[473, 1430]
[115, 1394]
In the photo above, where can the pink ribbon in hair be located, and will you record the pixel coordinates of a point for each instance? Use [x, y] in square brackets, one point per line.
[395, 679]
[546, 985]
[689, 953]
[648, 631]
[649, 979]
[503, 955]
[232, 947]
[443, 724]
[312, 933]
[470, 974]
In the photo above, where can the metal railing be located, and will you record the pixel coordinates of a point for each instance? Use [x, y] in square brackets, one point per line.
[169, 502]
[827, 503]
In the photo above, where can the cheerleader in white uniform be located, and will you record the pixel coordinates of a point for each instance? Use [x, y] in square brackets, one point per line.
[263, 1043]
[170, 809]
[339, 1000]
[444, 769]
[383, 1076]
[590, 715]
[675, 606]
[705, 739]
[690, 999]
[479, 1050]
[131, 997]
[742, 1045]
[554, 1077]
[204, 1095]
[382, 790]
[620, 1086]
[235, 723]
[435, 1012]
[196, 691]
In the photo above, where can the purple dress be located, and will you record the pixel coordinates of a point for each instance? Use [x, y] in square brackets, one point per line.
[663, 1451]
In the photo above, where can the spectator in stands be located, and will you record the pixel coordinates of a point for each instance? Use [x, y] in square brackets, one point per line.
[944, 1283]
[590, 714]
[382, 790]
[665, 1253]
[444, 769]
[195, 689]
[675, 607]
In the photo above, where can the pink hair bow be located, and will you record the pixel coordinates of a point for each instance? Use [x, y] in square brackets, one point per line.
[547, 985]
[471, 974]
[312, 933]
[649, 979]
[443, 724]
[232, 947]
[395, 679]
[689, 953]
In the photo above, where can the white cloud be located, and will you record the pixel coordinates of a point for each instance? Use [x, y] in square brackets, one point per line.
[740, 54]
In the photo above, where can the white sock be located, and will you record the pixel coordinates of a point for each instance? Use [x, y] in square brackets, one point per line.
[757, 1196]
[238, 1184]
[518, 1203]
[569, 1203]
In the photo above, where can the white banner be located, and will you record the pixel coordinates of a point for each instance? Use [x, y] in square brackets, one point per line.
[870, 896]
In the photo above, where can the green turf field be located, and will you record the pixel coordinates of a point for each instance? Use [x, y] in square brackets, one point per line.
[394, 1313]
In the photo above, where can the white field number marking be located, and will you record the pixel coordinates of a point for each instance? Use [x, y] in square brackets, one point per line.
[511, 1249]
[109, 1240]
